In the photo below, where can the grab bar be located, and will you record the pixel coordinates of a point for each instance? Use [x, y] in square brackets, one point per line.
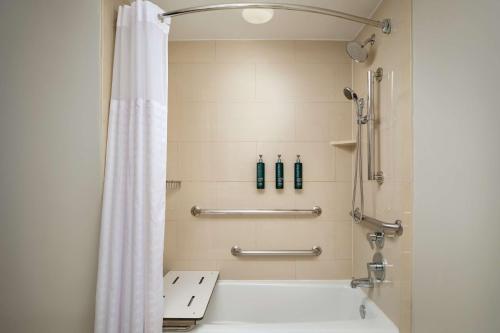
[393, 228]
[197, 211]
[370, 104]
[315, 251]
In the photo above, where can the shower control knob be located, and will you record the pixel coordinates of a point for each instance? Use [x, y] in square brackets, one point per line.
[376, 239]
[376, 268]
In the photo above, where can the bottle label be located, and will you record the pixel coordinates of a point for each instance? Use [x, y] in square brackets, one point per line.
[279, 174]
[260, 176]
[298, 176]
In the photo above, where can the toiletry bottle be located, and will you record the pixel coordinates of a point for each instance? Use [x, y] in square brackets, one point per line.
[261, 174]
[298, 174]
[279, 173]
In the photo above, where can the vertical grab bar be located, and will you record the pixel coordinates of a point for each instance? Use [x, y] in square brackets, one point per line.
[370, 131]
[370, 103]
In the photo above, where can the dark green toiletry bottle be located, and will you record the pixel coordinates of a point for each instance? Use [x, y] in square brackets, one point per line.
[279, 173]
[261, 174]
[298, 174]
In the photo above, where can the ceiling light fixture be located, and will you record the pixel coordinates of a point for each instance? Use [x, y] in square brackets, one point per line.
[257, 15]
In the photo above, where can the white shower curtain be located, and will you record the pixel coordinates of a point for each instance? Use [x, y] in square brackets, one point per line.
[129, 287]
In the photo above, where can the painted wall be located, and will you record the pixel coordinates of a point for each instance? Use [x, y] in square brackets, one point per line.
[232, 100]
[50, 166]
[393, 199]
[456, 115]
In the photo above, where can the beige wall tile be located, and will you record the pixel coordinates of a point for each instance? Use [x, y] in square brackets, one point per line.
[343, 164]
[403, 148]
[243, 269]
[197, 161]
[236, 121]
[191, 52]
[226, 233]
[343, 240]
[318, 194]
[323, 82]
[234, 82]
[276, 121]
[403, 197]
[385, 153]
[173, 165]
[297, 235]
[302, 82]
[318, 160]
[323, 52]
[255, 51]
[170, 248]
[179, 202]
[244, 195]
[253, 121]
[191, 265]
[192, 241]
[405, 323]
[323, 121]
[342, 201]
[192, 82]
[276, 82]
[230, 101]
[322, 194]
[342, 122]
[192, 121]
[235, 161]
[323, 270]
[407, 237]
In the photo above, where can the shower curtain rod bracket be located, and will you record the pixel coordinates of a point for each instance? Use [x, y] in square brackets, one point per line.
[384, 25]
[387, 26]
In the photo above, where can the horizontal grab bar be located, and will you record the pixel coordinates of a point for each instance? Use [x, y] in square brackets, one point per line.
[197, 211]
[315, 251]
[395, 228]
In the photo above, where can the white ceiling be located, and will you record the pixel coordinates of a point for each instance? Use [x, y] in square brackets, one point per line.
[229, 24]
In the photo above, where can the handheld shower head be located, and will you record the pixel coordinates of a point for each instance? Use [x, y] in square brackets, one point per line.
[357, 51]
[350, 94]
[359, 102]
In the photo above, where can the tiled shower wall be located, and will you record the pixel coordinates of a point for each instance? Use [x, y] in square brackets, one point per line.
[393, 199]
[232, 100]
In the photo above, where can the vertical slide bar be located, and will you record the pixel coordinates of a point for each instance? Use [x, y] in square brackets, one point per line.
[370, 128]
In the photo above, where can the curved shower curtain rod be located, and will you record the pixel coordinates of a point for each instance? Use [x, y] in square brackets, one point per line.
[385, 24]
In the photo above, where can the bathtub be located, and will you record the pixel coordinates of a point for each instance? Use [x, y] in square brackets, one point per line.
[291, 306]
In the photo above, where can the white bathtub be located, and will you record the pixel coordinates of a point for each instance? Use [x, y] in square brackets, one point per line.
[291, 306]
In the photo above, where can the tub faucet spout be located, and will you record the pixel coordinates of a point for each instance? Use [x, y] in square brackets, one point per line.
[363, 282]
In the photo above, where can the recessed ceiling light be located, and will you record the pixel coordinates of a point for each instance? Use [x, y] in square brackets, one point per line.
[257, 15]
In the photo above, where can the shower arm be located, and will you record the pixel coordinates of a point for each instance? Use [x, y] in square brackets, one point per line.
[385, 24]
[370, 40]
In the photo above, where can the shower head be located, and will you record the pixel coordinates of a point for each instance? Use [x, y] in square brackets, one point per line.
[350, 94]
[357, 51]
